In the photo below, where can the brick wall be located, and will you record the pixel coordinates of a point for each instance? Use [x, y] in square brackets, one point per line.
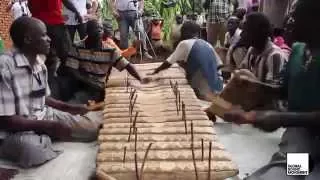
[5, 22]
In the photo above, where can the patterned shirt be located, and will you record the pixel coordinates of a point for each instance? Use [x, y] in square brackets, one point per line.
[23, 88]
[267, 65]
[219, 11]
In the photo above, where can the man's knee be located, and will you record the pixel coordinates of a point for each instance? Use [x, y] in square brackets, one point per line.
[28, 149]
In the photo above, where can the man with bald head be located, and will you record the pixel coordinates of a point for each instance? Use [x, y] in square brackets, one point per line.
[29, 118]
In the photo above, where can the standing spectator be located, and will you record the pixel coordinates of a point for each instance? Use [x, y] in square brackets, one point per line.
[50, 12]
[218, 14]
[71, 21]
[129, 14]
[18, 8]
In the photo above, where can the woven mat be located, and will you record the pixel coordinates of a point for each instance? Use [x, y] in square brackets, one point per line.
[157, 138]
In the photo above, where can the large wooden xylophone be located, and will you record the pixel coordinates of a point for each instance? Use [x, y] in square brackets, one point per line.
[158, 131]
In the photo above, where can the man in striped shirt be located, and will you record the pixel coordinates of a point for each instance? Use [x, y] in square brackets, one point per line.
[264, 59]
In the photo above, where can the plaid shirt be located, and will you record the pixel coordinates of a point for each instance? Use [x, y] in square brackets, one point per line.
[219, 11]
[23, 88]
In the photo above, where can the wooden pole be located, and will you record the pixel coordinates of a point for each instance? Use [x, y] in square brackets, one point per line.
[132, 94]
[184, 117]
[127, 82]
[171, 85]
[135, 153]
[179, 97]
[192, 150]
[133, 125]
[134, 102]
[124, 154]
[176, 87]
[177, 107]
[202, 151]
[209, 165]
[129, 137]
[144, 161]
[135, 120]
[135, 139]
[136, 165]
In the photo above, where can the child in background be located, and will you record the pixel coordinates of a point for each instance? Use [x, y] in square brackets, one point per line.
[107, 41]
[155, 32]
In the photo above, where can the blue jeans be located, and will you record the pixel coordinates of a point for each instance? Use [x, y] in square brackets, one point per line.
[130, 19]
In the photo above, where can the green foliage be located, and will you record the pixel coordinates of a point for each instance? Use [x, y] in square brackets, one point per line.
[154, 8]
[107, 12]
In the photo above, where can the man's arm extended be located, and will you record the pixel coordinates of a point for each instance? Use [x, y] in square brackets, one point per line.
[62, 106]
[165, 65]
[272, 120]
[179, 54]
[133, 71]
[19, 124]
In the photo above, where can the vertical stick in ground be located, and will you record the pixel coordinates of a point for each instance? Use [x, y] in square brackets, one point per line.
[135, 139]
[124, 154]
[209, 163]
[134, 103]
[136, 165]
[135, 153]
[127, 82]
[179, 97]
[144, 161]
[129, 137]
[202, 150]
[192, 150]
[135, 120]
[184, 117]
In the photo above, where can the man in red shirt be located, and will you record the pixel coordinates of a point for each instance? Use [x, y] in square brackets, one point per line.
[50, 12]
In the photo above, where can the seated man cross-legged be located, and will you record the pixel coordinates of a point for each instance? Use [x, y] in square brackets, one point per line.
[29, 118]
